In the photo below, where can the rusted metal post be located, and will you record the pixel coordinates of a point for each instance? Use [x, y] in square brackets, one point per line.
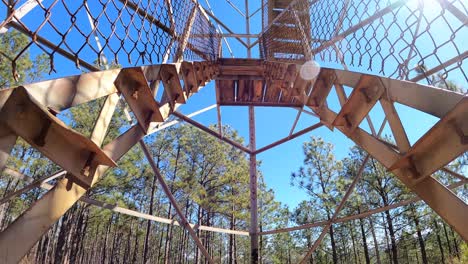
[247, 28]
[211, 132]
[288, 138]
[20, 12]
[253, 189]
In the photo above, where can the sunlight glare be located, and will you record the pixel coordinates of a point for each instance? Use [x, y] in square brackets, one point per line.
[309, 70]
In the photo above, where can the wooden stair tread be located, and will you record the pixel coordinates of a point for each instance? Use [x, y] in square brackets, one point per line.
[199, 74]
[133, 85]
[287, 47]
[173, 89]
[286, 32]
[187, 72]
[41, 129]
[321, 88]
[445, 141]
[364, 96]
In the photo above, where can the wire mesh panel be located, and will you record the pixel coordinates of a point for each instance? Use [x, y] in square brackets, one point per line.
[411, 39]
[122, 32]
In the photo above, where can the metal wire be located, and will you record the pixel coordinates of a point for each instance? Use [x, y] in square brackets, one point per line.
[413, 40]
[133, 32]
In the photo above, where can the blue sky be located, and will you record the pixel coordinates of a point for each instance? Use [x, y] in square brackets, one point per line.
[273, 123]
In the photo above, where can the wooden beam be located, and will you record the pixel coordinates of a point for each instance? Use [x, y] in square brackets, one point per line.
[440, 145]
[445, 203]
[321, 89]
[431, 100]
[48, 134]
[28, 228]
[187, 72]
[173, 90]
[42, 182]
[134, 87]
[364, 96]
[63, 93]
[395, 125]
[7, 142]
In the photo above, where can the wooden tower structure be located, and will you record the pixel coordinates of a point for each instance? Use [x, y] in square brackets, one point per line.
[371, 48]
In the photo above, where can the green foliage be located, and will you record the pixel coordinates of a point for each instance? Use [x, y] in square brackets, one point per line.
[17, 66]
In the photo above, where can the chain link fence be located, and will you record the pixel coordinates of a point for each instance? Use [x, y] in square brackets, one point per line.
[413, 40]
[97, 33]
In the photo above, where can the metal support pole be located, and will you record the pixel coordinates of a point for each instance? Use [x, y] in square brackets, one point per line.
[253, 190]
[220, 124]
[20, 12]
[167, 191]
[247, 28]
[357, 216]
[211, 132]
[288, 138]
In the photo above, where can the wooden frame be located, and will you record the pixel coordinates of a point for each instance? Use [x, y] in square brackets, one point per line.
[405, 160]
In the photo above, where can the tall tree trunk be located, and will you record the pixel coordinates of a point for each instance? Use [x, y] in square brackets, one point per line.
[94, 249]
[415, 251]
[61, 242]
[448, 240]
[231, 240]
[128, 249]
[136, 245]
[422, 246]
[260, 254]
[333, 244]
[115, 235]
[150, 212]
[106, 239]
[386, 237]
[374, 238]
[199, 220]
[148, 223]
[455, 243]
[167, 245]
[392, 234]
[439, 241]
[160, 247]
[364, 238]
[235, 250]
[353, 241]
